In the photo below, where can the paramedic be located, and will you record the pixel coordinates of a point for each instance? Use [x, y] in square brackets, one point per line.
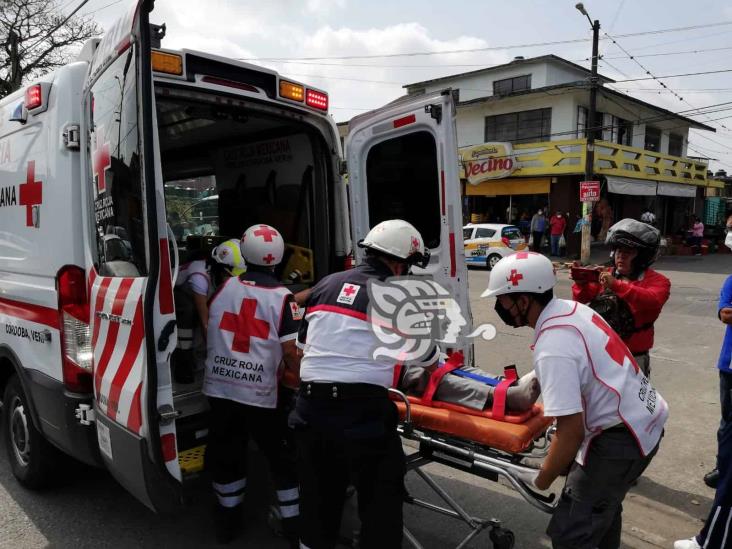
[196, 282]
[630, 295]
[609, 418]
[252, 327]
[345, 424]
[715, 530]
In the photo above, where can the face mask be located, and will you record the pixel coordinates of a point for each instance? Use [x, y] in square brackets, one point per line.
[728, 240]
[506, 316]
[539, 212]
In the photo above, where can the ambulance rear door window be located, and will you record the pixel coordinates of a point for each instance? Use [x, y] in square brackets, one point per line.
[115, 174]
[403, 183]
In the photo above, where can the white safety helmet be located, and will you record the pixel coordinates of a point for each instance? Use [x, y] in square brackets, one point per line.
[521, 272]
[229, 254]
[398, 239]
[262, 245]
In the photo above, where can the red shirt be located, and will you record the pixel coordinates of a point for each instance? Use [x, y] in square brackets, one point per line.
[557, 225]
[645, 297]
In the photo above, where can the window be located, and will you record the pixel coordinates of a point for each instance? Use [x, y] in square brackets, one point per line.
[467, 233]
[581, 122]
[512, 233]
[403, 183]
[675, 144]
[116, 174]
[510, 85]
[484, 233]
[624, 132]
[653, 139]
[519, 127]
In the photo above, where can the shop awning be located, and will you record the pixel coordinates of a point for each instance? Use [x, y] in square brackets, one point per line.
[677, 189]
[510, 186]
[626, 185]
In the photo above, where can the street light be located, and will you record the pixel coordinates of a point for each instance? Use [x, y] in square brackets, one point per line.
[590, 131]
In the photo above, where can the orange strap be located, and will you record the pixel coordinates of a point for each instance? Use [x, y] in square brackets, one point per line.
[499, 393]
[453, 363]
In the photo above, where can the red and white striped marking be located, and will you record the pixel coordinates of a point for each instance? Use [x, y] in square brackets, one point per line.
[118, 347]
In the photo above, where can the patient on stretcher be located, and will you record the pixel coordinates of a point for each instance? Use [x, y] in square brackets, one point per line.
[469, 387]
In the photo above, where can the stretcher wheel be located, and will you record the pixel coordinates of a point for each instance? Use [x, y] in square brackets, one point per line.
[502, 538]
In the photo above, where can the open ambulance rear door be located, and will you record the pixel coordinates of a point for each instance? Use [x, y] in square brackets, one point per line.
[403, 164]
[128, 266]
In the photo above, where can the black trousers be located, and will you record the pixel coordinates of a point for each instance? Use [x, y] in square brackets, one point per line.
[342, 441]
[232, 424]
[589, 513]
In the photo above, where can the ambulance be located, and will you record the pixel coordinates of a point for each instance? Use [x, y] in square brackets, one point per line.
[119, 167]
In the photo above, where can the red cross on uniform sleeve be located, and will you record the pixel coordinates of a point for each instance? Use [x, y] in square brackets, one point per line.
[245, 326]
[615, 346]
[31, 193]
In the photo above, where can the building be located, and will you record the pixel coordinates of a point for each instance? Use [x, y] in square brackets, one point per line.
[522, 131]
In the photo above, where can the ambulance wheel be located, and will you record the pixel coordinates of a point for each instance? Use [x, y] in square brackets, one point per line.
[502, 538]
[491, 260]
[31, 456]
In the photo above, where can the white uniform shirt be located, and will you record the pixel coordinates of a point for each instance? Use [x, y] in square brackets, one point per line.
[577, 374]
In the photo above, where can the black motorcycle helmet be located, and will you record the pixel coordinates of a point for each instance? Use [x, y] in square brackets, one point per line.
[629, 233]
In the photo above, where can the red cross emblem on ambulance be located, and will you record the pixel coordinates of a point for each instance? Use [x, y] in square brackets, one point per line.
[101, 161]
[31, 192]
[245, 326]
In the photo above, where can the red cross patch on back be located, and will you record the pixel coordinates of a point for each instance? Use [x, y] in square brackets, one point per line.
[245, 326]
[615, 347]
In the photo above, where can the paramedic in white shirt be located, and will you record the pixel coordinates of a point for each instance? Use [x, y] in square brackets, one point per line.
[609, 418]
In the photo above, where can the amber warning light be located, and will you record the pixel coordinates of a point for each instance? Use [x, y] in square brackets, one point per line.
[290, 90]
[167, 62]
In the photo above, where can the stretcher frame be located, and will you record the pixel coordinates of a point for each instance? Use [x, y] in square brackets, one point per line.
[482, 461]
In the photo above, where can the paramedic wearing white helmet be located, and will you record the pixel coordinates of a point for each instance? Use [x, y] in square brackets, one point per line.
[252, 327]
[196, 282]
[345, 424]
[609, 418]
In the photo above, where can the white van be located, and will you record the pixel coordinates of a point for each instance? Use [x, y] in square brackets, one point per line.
[117, 168]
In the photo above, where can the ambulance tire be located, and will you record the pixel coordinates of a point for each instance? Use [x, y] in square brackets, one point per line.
[31, 456]
[491, 260]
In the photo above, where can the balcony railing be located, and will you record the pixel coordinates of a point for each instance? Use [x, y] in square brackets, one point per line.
[550, 158]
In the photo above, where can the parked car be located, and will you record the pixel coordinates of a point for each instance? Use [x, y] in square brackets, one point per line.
[487, 243]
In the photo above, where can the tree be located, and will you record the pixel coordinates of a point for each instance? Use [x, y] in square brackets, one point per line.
[35, 37]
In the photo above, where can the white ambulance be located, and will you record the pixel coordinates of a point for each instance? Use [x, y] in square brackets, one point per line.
[118, 168]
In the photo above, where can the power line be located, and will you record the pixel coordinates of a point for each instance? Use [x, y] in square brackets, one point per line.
[102, 8]
[61, 24]
[672, 76]
[489, 48]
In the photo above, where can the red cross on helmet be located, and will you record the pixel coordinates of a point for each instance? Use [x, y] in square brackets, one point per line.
[262, 245]
[524, 272]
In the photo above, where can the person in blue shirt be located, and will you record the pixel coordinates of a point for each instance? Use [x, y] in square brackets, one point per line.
[714, 534]
[538, 227]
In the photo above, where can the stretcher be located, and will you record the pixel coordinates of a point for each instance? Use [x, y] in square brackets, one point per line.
[487, 443]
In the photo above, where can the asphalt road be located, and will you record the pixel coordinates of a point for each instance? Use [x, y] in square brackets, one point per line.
[87, 508]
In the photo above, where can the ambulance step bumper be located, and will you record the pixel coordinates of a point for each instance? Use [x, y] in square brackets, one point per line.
[191, 461]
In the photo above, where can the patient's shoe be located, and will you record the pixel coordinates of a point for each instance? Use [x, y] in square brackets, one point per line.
[521, 397]
[687, 544]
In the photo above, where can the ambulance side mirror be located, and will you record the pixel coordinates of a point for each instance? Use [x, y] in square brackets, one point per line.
[20, 114]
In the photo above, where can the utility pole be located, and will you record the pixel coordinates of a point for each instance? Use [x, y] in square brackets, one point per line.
[590, 131]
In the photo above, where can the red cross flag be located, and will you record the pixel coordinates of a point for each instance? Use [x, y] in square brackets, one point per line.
[348, 294]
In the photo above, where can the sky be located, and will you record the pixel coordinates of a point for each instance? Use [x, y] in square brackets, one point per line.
[295, 29]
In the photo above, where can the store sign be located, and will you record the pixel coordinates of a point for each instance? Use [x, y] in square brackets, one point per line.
[487, 161]
[589, 191]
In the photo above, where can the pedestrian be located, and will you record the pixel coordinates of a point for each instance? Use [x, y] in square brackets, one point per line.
[648, 216]
[609, 419]
[714, 533]
[538, 227]
[345, 424]
[252, 327]
[556, 231]
[629, 295]
[697, 234]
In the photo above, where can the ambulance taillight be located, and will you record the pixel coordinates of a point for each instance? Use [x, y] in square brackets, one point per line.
[316, 99]
[33, 97]
[73, 307]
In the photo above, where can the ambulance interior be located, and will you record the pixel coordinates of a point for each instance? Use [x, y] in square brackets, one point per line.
[226, 168]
